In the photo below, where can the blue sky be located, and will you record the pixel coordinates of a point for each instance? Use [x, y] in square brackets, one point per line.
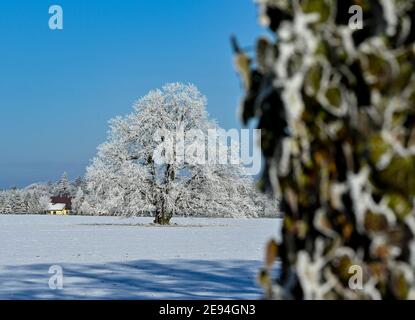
[59, 88]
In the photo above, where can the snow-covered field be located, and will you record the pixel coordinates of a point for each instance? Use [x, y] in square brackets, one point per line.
[115, 258]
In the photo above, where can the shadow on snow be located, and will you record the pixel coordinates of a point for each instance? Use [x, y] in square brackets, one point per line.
[142, 279]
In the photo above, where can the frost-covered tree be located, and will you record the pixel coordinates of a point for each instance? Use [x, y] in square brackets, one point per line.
[155, 161]
[5, 202]
[336, 105]
[79, 183]
[64, 187]
[17, 201]
[37, 198]
[30, 200]
[80, 202]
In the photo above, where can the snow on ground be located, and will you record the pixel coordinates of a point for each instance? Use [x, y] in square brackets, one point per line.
[116, 258]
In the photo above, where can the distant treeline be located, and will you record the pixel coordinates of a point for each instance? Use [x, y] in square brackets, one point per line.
[35, 199]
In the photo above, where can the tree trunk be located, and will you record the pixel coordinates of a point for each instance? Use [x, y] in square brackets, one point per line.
[162, 217]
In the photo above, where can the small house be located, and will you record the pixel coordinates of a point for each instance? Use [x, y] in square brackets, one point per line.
[59, 206]
[57, 209]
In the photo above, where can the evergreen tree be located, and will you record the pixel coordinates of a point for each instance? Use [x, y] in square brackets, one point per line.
[63, 187]
[18, 204]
